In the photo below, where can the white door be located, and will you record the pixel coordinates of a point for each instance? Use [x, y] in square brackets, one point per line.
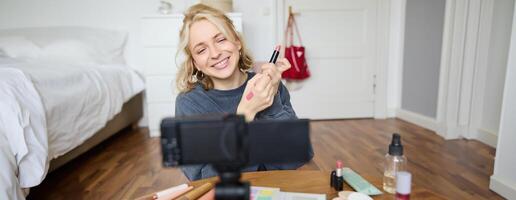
[340, 41]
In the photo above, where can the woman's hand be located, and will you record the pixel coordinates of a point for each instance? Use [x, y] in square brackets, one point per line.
[274, 71]
[261, 89]
[258, 95]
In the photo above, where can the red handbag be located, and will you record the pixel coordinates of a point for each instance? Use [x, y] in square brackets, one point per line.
[294, 54]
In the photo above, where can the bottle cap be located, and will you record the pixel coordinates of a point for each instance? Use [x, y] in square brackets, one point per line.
[403, 180]
[395, 148]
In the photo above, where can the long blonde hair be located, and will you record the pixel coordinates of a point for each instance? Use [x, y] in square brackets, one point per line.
[188, 76]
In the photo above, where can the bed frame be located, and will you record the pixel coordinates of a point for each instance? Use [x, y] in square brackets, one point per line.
[132, 111]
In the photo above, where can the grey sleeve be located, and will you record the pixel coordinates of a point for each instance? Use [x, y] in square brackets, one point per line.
[281, 108]
[186, 106]
[192, 172]
[196, 172]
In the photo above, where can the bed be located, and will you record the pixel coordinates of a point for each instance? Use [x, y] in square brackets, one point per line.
[63, 90]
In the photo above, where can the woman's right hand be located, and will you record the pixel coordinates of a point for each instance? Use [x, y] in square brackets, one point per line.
[258, 95]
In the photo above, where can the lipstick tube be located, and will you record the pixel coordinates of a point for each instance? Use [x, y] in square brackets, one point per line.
[275, 54]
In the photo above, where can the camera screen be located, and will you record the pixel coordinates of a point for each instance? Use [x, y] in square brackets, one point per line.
[209, 142]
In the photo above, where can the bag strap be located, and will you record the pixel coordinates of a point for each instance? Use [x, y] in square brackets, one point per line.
[294, 24]
[289, 31]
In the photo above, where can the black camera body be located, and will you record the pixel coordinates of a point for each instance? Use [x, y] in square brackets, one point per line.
[229, 140]
[214, 139]
[229, 143]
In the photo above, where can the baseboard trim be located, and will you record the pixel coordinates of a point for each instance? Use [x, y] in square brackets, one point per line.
[487, 137]
[503, 187]
[418, 119]
[391, 112]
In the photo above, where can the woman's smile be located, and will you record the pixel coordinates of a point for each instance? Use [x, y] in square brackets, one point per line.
[222, 64]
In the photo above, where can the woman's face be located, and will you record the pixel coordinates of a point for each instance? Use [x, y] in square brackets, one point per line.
[213, 53]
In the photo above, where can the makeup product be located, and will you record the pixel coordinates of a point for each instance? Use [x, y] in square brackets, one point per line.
[403, 181]
[358, 183]
[174, 194]
[339, 180]
[197, 192]
[336, 179]
[333, 178]
[275, 54]
[169, 191]
[394, 162]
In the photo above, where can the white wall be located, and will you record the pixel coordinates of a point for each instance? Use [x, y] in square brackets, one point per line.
[258, 19]
[113, 14]
[503, 180]
[125, 15]
[497, 64]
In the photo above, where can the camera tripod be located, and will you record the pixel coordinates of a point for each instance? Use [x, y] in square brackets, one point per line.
[230, 187]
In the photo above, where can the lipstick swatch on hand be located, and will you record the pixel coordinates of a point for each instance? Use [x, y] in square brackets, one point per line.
[249, 96]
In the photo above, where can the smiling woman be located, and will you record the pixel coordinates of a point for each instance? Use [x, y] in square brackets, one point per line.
[205, 28]
[214, 77]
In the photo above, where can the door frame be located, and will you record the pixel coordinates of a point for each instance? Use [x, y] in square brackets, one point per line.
[381, 55]
[464, 62]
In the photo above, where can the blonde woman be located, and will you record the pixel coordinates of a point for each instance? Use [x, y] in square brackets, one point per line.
[214, 78]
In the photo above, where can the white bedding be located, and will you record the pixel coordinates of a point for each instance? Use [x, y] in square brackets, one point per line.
[23, 138]
[78, 100]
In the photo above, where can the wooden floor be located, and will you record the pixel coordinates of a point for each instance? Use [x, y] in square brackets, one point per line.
[128, 165]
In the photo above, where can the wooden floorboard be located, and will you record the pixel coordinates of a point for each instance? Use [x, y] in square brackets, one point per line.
[128, 165]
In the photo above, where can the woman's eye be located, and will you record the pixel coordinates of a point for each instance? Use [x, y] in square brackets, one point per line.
[200, 51]
[221, 40]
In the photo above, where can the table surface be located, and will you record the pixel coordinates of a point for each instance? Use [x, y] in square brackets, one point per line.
[314, 182]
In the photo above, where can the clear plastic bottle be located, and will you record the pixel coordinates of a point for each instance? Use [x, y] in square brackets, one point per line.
[395, 161]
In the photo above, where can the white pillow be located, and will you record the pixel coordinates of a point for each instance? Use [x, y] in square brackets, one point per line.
[18, 47]
[70, 52]
[108, 44]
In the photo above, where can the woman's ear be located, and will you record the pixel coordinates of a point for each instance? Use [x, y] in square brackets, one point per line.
[194, 66]
[237, 38]
[239, 45]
